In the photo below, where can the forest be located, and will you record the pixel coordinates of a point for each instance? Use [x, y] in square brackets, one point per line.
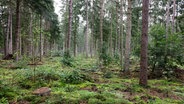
[91, 52]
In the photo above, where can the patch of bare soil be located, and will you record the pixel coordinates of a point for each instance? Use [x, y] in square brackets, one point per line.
[43, 91]
[91, 88]
[83, 102]
[179, 73]
[159, 93]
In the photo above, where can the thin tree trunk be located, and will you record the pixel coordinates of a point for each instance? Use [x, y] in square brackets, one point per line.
[10, 40]
[144, 44]
[7, 34]
[75, 39]
[20, 46]
[167, 18]
[116, 39]
[92, 31]
[177, 16]
[86, 34]
[41, 38]
[121, 35]
[111, 49]
[128, 37]
[69, 27]
[30, 46]
[17, 30]
[101, 25]
[173, 17]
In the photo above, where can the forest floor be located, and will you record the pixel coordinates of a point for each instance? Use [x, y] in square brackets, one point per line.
[84, 83]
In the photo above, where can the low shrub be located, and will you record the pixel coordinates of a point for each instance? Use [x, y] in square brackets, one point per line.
[108, 74]
[67, 59]
[3, 100]
[56, 53]
[73, 77]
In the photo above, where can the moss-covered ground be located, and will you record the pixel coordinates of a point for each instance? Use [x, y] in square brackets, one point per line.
[84, 83]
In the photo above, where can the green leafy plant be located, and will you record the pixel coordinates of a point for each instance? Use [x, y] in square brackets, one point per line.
[163, 52]
[56, 53]
[108, 74]
[73, 76]
[4, 101]
[67, 59]
[105, 56]
[23, 62]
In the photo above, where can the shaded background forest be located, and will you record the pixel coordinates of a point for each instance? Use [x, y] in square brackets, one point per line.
[31, 28]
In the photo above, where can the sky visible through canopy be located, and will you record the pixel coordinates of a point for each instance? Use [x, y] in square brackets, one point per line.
[57, 5]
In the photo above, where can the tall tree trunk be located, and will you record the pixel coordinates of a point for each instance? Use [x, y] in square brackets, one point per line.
[40, 38]
[177, 9]
[20, 46]
[92, 31]
[86, 34]
[75, 38]
[7, 34]
[30, 46]
[128, 37]
[10, 40]
[144, 44]
[173, 17]
[101, 28]
[69, 27]
[167, 18]
[121, 34]
[17, 30]
[111, 49]
[117, 26]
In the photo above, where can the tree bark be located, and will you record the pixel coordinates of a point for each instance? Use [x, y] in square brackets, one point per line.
[75, 38]
[17, 30]
[111, 49]
[101, 30]
[69, 27]
[30, 46]
[10, 40]
[167, 18]
[144, 44]
[41, 38]
[86, 34]
[128, 37]
[92, 31]
[7, 34]
[116, 38]
[173, 17]
[121, 35]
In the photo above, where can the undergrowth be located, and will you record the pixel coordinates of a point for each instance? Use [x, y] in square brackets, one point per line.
[83, 83]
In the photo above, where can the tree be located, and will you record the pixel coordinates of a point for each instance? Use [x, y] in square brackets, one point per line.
[144, 44]
[86, 34]
[173, 17]
[121, 34]
[17, 31]
[69, 27]
[128, 37]
[41, 46]
[167, 18]
[11, 37]
[101, 28]
[7, 33]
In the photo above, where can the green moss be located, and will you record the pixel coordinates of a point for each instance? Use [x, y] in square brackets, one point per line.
[86, 95]
[94, 101]
[107, 90]
[164, 101]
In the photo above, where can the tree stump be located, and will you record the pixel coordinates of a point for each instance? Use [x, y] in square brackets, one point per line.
[43, 91]
[8, 57]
